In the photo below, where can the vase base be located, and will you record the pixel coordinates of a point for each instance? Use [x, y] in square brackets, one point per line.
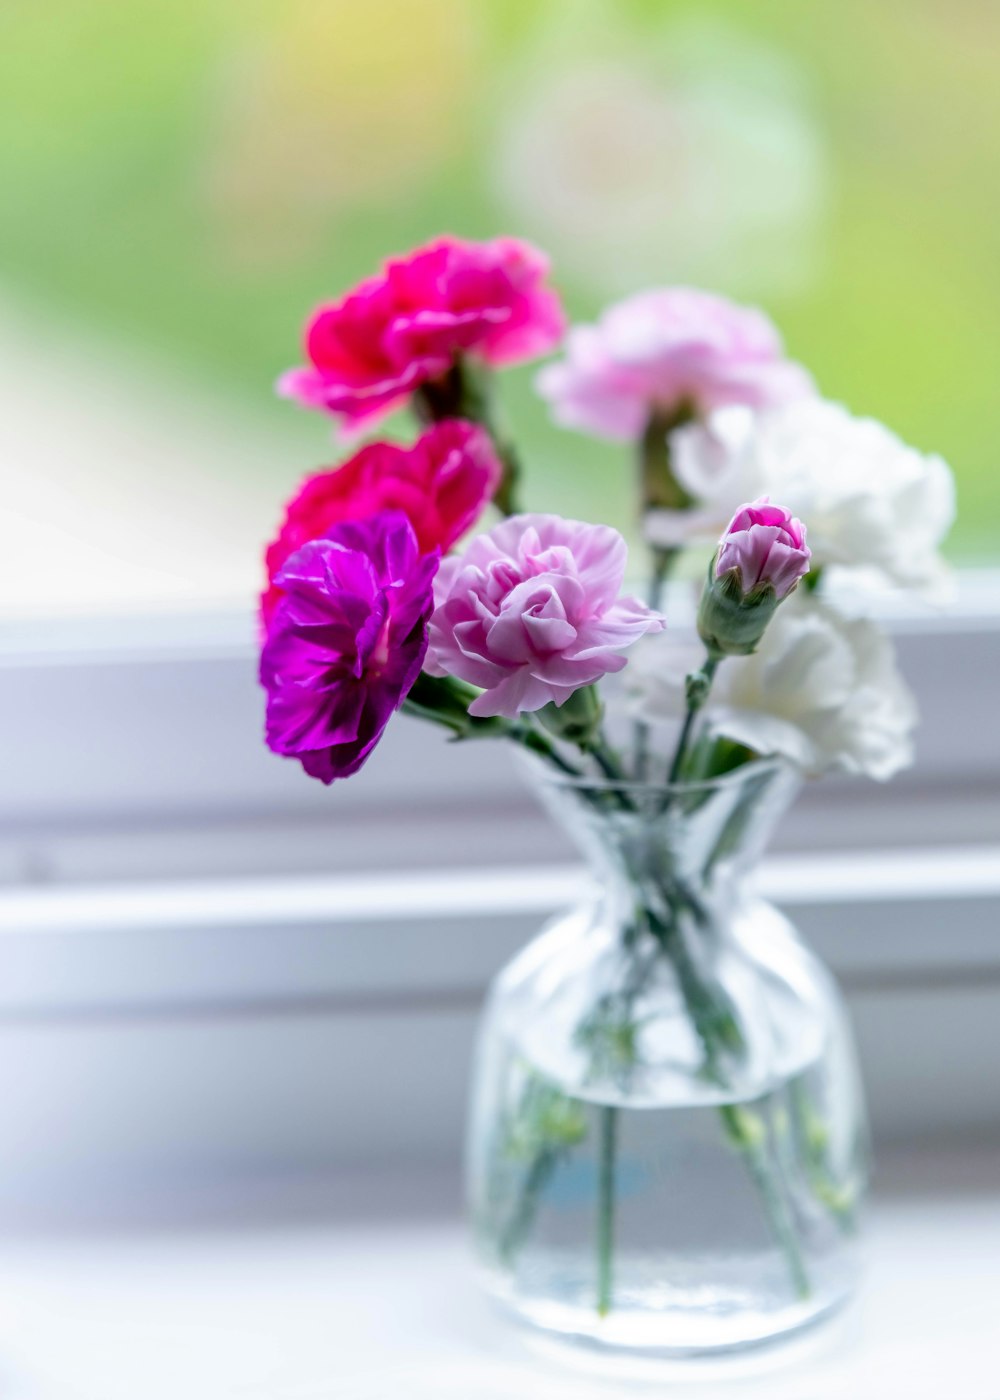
[673, 1335]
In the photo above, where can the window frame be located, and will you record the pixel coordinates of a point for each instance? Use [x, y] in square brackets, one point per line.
[164, 879]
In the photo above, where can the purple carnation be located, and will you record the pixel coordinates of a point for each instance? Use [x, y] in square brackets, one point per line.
[346, 642]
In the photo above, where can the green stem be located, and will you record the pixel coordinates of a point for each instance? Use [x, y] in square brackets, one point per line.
[608, 1148]
[608, 762]
[718, 1031]
[659, 490]
[445, 701]
[536, 742]
[659, 486]
[507, 499]
[698, 687]
[536, 1180]
[837, 1199]
[715, 1025]
[663, 561]
[810, 1135]
[748, 1134]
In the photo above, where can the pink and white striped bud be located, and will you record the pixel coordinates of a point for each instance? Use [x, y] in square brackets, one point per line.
[761, 557]
[767, 545]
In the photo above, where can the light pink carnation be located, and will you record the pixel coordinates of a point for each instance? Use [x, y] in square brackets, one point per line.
[767, 545]
[531, 613]
[662, 349]
[406, 326]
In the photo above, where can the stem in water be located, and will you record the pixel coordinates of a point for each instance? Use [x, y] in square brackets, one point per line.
[608, 1148]
[521, 1221]
[747, 1132]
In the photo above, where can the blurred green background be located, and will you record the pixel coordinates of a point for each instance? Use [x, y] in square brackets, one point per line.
[183, 179]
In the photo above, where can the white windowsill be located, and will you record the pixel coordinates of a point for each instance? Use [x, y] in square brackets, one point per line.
[837, 877]
[369, 1296]
[312, 1022]
[104, 950]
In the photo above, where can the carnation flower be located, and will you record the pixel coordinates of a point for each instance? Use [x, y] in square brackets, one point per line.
[664, 351]
[407, 325]
[761, 557]
[822, 690]
[766, 545]
[871, 501]
[531, 612]
[442, 484]
[346, 642]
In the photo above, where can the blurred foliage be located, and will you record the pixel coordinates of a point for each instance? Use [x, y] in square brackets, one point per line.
[194, 174]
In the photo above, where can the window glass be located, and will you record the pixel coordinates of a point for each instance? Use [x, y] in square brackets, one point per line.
[184, 179]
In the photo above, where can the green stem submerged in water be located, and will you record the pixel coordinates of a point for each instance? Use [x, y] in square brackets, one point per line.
[606, 1186]
[749, 1133]
[720, 1036]
[538, 1176]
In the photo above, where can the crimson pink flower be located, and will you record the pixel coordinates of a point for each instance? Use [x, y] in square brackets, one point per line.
[765, 544]
[346, 642]
[531, 613]
[442, 484]
[661, 351]
[408, 324]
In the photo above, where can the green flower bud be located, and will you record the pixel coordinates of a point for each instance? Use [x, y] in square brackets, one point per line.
[731, 622]
[577, 720]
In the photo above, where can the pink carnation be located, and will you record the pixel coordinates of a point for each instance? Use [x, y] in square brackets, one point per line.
[442, 484]
[531, 612]
[660, 350]
[766, 544]
[408, 324]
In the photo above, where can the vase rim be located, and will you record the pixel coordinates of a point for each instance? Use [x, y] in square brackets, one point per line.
[773, 763]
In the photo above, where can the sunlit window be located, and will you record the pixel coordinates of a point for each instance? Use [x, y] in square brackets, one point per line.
[819, 160]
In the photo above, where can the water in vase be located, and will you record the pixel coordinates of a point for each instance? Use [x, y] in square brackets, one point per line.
[720, 1225]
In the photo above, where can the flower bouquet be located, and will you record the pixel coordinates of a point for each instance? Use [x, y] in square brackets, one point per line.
[667, 1144]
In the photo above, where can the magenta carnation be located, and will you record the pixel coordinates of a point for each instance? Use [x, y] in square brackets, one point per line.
[442, 484]
[766, 544]
[662, 350]
[408, 324]
[346, 642]
[531, 612]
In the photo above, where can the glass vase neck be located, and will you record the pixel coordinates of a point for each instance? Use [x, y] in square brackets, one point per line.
[703, 836]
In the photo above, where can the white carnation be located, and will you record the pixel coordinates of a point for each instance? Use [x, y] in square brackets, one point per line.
[822, 690]
[867, 499]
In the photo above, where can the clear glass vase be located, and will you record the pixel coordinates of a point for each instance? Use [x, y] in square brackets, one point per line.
[667, 1145]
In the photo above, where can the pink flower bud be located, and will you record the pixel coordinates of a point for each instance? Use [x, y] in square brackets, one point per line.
[767, 545]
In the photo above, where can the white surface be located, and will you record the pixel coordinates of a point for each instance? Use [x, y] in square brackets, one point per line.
[968, 872]
[382, 1306]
